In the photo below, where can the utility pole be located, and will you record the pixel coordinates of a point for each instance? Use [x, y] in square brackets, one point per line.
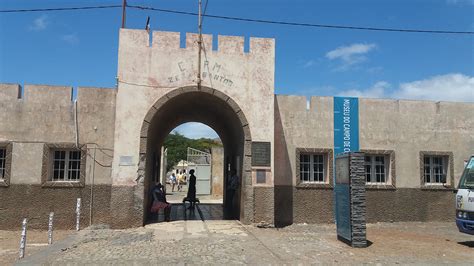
[124, 6]
[199, 45]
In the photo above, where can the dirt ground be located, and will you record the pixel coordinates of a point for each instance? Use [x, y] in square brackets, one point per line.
[228, 242]
[36, 240]
[430, 243]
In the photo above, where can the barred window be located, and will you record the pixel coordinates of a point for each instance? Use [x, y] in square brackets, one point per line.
[312, 168]
[3, 159]
[435, 169]
[376, 169]
[66, 165]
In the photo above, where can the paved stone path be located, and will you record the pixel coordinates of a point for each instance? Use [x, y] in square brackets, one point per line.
[230, 242]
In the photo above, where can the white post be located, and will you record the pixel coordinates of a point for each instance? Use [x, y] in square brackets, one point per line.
[23, 239]
[78, 213]
[50, 228]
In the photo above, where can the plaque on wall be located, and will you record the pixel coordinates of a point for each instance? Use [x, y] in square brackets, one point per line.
[261, 154]
[126, 161]
[261, 176]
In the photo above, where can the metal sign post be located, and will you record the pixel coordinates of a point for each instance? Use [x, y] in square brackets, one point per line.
[50, 228]
[23, 238]
[78, 214]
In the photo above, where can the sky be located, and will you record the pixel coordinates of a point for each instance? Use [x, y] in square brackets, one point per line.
[79, 48]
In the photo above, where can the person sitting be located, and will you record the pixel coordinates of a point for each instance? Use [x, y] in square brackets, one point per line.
[159, 201]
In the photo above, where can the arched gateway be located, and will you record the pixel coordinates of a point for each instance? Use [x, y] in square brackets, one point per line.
[282, 145]
[157, 91]
[208, 106]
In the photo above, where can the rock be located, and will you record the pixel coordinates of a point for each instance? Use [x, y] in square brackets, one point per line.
[264, 224]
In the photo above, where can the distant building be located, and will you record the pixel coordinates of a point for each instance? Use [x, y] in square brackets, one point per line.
[106, 147]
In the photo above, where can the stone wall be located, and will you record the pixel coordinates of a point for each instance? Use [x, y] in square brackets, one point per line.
[409, 127]
[149, 69]
[405, 129]
[358, 200]
[45, 116]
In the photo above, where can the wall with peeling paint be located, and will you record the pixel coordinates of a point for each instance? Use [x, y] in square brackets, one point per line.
[150, 68]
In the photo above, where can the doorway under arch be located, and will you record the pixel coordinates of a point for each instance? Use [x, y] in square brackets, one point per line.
[210, 107]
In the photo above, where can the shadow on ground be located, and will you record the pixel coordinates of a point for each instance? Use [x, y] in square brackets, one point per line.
[203, 212]
[469, 244]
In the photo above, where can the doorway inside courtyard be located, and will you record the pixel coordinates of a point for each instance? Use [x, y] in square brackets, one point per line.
[195, 146]
[216, 200]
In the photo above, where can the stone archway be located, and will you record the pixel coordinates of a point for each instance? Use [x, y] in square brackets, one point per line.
[210, 107]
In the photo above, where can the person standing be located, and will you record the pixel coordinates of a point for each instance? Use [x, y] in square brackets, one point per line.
[172, 181]
[192, 189]
[233, 184]
[179, 178]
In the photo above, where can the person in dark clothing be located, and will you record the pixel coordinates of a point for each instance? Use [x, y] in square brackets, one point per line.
[159, 201]
[233, 184]
[192, 189]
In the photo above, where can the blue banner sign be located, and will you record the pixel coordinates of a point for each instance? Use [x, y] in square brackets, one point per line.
[346, 124]
[346, 139]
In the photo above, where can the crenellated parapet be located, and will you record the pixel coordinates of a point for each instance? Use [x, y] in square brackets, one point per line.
[9, 92]
[46, 113]
[170, 41]
[54, 94]
[170, 59]
[48, 94]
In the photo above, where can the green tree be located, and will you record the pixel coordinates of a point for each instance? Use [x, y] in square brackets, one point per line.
[177, 146]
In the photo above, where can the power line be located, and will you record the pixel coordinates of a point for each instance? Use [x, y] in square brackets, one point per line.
[205, 9]
[301, 24]
[288, 23]
[58, 9]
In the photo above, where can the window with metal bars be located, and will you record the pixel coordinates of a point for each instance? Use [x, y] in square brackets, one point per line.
[3, 157]
[376, 169]
[66, 165]
[312, 168]
[435, 169]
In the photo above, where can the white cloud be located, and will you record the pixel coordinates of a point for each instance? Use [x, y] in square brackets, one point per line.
[194, 130]
[350, 55]
[40, 23]
[70, 38]
[345, 52]
[450, 87]
[376, 91]
[457, 2]
[309, 63]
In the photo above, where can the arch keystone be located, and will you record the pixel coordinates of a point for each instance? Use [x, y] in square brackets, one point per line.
[190, 89]
[207, 90]
[175, 93]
